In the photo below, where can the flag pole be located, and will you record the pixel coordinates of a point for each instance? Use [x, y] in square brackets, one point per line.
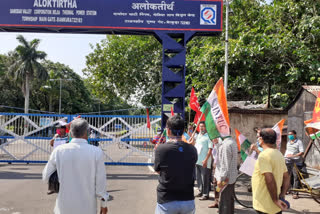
[194, 131]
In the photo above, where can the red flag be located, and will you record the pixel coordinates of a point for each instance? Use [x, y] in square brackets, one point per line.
[316, 110]
[172, 113]
[194, 105]
[148, 119]
[197, 117]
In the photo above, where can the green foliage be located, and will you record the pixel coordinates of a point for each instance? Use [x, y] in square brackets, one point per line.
[26, 62]
[10, 95]
[273, 50]
[270, 46]
[126, 66]
[75, 97]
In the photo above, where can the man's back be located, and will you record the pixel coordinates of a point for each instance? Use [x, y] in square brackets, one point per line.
[269, 161]
[176, 164]
[81, 174]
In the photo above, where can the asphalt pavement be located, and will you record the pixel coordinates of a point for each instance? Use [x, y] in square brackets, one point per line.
[132, 190]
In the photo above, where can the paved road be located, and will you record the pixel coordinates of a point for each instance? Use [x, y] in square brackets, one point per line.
[133, 191]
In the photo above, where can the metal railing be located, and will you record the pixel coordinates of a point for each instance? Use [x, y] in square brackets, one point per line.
[123, 138]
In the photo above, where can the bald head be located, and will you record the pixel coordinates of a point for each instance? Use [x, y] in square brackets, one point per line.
[269, 136]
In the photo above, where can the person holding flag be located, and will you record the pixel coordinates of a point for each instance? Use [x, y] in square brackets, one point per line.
[204, 148]
[190, 132]
[218, 125]
[158, 138]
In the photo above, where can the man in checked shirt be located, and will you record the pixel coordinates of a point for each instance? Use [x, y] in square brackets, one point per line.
[226, 173]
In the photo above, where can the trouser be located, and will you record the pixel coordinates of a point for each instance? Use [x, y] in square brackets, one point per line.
[293, 172]
[203, 179]
[226, 200]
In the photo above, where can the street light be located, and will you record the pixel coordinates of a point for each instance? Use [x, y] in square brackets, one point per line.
[60, 90]
[228, 10]
[99, 102]
[50, 97]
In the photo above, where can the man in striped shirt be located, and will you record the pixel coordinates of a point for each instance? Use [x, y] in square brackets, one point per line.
[226, 173]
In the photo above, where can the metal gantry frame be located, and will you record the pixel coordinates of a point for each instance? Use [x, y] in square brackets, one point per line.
[174, 50]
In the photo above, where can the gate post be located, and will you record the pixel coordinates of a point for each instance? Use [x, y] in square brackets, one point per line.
[174, 49]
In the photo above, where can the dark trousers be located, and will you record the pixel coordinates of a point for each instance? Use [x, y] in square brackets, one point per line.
[226, 200]
[267, 213]
[203, 179]
[293, 172]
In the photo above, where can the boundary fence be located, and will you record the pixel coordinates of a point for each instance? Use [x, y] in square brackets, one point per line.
[24, 138]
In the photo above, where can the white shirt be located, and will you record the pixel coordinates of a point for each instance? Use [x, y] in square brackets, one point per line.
[294, 147]
[226, 166]
[82, 177]
[59, 140]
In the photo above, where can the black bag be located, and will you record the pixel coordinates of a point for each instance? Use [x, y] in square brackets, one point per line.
[54, 182]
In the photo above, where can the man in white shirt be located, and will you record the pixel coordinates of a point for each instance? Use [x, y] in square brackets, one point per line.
[81, 171]
[61, 137]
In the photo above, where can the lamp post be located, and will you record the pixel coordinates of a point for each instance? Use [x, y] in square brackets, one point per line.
[228, 10]
[50, 97]
[98, 101]
[60, 90]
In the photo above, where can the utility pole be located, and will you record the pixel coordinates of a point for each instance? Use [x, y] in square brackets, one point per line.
[60, 80]
[227, 4]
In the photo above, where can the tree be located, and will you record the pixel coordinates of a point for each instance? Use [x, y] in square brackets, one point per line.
[274, 49]
[10, 94]
[27, 66]
[75, 98]
[128, 67]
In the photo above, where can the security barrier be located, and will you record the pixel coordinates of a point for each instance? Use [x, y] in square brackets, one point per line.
[123, 138]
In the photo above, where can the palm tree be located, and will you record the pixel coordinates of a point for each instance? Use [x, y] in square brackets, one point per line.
[27, 66]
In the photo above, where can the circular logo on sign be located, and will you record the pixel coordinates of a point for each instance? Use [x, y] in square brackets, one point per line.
[208, 15]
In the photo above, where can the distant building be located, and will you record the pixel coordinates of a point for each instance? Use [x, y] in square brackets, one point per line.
[299, 110]
[245, 116]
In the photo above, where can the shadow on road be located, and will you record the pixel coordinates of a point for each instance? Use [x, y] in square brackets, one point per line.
[132, 176]
[19, 175]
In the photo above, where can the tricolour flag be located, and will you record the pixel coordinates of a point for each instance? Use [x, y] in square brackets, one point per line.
[312, 125]
[315, 135]
[216, 112]
[278, 129]
[243, 144]
[306, 122]
[316, 110]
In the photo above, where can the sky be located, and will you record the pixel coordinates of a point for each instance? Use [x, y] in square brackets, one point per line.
[69, 49]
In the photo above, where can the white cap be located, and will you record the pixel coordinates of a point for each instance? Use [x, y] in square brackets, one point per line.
[61, 123]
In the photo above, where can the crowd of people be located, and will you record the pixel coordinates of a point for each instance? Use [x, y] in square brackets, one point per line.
[217, 164]
[179, 163]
